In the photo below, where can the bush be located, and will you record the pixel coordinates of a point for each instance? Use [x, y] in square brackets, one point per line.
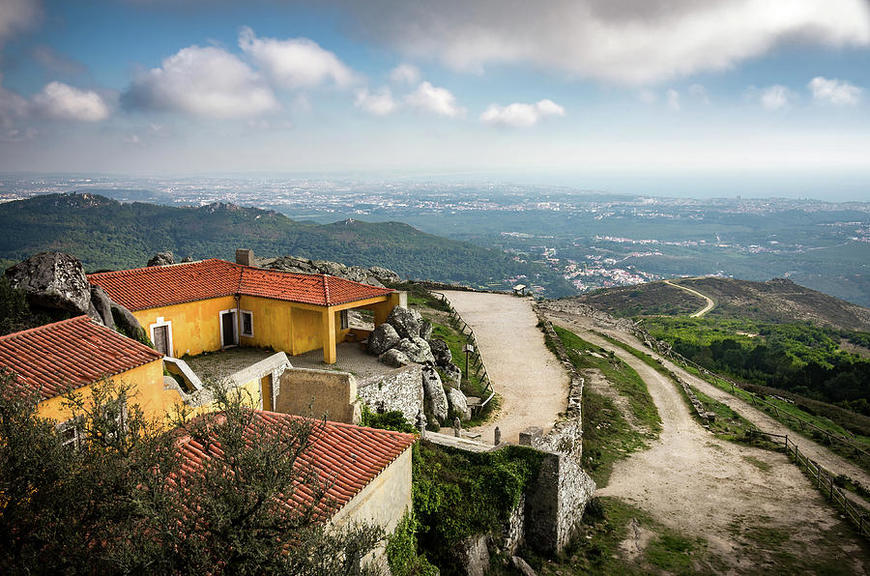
[392, 420]
[402, 555]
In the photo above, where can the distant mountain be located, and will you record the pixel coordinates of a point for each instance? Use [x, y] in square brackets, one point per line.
[777, 301]
[106, 234]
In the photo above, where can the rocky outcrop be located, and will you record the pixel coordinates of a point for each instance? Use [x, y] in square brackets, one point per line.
[55, 281]
[458, 403]
[452, 374]
[425, 329]
[416, 349]
[394, 358]
[375, 276]
[162, 259]
[433, 392]
[103, 305]
[382, 339]
[126, 322]
[407, 322]
[440, 351]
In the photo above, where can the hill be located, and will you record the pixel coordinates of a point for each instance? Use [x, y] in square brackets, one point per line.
[106, 234]
[777, 301]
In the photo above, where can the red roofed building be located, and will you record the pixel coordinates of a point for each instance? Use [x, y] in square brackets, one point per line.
[213, 304]
[367, 471]
[73, 354]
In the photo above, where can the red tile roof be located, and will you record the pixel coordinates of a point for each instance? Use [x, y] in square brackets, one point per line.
[156, 286]
[56, 358]
[345, 458]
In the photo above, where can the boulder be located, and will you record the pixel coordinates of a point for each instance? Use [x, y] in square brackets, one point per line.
[425, 329]
[471, 556]
[458, 403]
[162, 259]
[440, 351]
[522, 566]
[102, 305]
[406, 322]
[394, 358]
[53, 280]
[434, 397]
[385, 275]
[416, 349]
[452, 375]
[382, 339]
[126, 322]
[186, 259]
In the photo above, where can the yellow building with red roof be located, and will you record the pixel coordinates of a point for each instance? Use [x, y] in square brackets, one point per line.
[209, 305]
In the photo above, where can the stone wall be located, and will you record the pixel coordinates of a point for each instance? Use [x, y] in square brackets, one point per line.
[311, 392]
[400, 389]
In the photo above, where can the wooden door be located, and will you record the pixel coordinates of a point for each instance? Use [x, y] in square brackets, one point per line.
[161, 340]
[266, 392]
[228, 328]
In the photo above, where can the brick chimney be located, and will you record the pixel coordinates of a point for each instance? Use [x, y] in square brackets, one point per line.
[245, 257]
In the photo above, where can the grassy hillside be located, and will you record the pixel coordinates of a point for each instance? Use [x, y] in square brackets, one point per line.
[776, 301]
[106, 234]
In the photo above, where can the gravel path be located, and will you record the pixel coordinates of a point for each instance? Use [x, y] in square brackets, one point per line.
[531, 381]
[733, 496]
[709, 306]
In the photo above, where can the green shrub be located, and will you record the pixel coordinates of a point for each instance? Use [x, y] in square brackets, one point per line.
[402, 555]
[392, 420]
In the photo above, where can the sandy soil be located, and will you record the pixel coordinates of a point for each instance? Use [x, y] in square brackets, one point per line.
[531, 381]
[726, 493]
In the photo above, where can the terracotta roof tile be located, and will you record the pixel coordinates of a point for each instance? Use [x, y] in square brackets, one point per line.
[346, 458]
[156, 286]
[59, 357]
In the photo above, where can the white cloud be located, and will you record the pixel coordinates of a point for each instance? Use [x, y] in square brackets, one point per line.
[295, 62]
[12, 108]
[405, 74]
[63, 102]
[206, 82]
[699, 92]
[379, 103]
[631, 41]
[519, 115]
[834, 91]
[647, 96]
[673, 98]
[17, 15]
[434, 99]
[776, 97]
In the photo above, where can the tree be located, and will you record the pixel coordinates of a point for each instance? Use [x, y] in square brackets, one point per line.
[126, 501]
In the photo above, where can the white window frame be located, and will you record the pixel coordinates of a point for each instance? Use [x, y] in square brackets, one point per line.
[76, 425]
[221, 314]
[242, 323]
[157, 324]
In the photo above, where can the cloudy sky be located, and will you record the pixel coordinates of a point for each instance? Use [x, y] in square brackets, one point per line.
[594, 90]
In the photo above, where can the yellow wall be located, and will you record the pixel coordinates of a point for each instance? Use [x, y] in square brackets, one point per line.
[272, 323]
[149, 393]
[195, 325]
[306, 330]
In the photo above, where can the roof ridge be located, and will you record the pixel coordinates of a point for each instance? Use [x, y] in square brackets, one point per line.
[327, 299]
[44, 326]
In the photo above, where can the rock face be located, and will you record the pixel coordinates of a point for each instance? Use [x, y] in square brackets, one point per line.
[394, 358]
[125, 321]
[407, 322]
[452, 374]
[433, 393]
[440, 351]
[416, 349]
[103, 305]
[373, 276]
[162, 259]
[382, 339]
[458, 403]
[54, 280]
[425, 329]
[471, 555]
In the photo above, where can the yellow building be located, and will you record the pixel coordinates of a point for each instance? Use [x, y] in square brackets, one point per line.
[209, 305]
[55, 359]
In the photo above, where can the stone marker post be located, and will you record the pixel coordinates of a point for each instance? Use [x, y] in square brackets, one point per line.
[497, 435]
[457, 427]
[421, 424]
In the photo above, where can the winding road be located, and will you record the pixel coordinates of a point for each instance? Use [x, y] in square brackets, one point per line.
[700, 313]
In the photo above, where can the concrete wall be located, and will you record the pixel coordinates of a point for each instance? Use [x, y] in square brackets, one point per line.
[400, 389]
[385, 500]
[311, 392]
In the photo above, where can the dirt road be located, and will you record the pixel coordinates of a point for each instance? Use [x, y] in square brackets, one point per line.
[709, 306]
[532, 383]
[756, 510]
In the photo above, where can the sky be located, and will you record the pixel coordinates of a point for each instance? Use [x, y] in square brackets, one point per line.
[732, 96]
